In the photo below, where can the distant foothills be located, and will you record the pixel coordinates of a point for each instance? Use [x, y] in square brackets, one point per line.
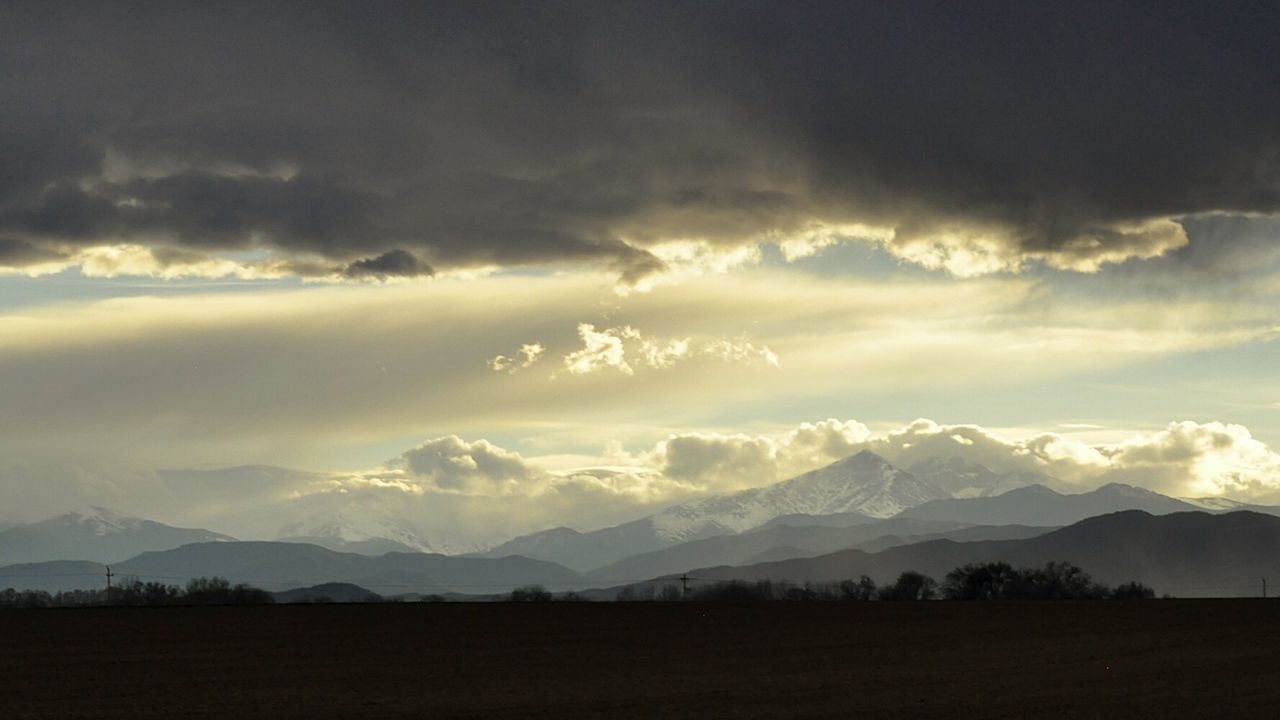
[859, 516]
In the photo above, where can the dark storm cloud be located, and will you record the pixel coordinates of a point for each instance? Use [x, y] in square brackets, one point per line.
[393, 263]
[478, 133]
[19, 253]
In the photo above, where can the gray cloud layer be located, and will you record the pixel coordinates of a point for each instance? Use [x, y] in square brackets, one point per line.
[385, 139]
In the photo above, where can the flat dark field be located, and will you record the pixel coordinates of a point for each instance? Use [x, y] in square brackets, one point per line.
[1158, 659]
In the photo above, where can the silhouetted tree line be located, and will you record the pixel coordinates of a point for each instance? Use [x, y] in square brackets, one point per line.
[135, 593]
[538, 593]
[1001, 581]
[530, 593]
[976, 581]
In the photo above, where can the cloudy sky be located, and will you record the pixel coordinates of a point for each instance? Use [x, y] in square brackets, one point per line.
[512, 265]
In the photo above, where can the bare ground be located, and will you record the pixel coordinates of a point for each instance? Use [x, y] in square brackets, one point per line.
[1158, 659]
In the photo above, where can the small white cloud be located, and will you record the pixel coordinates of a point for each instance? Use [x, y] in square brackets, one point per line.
[524, 358]
[624, 349]
[662, 355]
[600, 350]
[740, 351]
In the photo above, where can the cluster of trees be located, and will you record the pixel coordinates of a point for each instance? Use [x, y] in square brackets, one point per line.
[135, 593]
[976, 581]
[530, 593]
[649, 593]
[538, 593]
[1054, 581]
[908, 586]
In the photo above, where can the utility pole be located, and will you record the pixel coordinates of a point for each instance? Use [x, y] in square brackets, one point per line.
[108, 583]
[1264, 587]
[684, 583]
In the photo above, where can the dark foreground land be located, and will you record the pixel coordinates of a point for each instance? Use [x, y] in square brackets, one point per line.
[1158, 659]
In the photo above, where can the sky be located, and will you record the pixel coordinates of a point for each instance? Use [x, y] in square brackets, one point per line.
[502, 266]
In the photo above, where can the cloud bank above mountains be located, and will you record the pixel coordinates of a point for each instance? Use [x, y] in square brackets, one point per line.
[404, 140]
[467, 493]
[1185, 459]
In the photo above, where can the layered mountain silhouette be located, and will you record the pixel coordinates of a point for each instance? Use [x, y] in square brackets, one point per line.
[95, 534]
[857, 490]
[779, 542]
[1039, 505]
[863, 485]
[327, 592]
[54, 576]
[1187, 554]
[860, 504]
[280, 566]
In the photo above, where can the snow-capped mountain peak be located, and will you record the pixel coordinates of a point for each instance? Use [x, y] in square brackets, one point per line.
[96, 534]
[97, 520]
[864, 483]
[351, 528]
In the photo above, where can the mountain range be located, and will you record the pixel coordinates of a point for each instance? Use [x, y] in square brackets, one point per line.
[1186, 554]
[1040, 505]
[779, 542]
[95, 534]
[102, 535]
[860, 503]
[857, 490]
[280, 566]
[862, 487]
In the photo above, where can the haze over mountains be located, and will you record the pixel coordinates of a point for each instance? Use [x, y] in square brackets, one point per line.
[858, 489]
[95, 534]
[862, 486]
[779, 542]
[342, 532]
[1041, 505]
[282, 566]
[961, 479]
[861, 504]
[1187, 554]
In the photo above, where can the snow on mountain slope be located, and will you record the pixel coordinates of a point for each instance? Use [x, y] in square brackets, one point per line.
[355, 529]
[96, 534]
[100, 521]
[864, 483]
